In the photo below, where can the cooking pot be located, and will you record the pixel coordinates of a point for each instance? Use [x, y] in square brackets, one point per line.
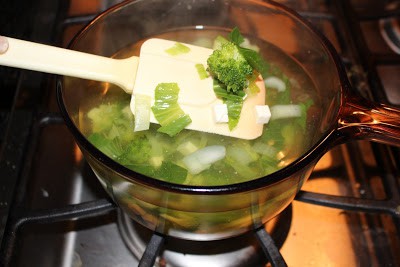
[217, 212]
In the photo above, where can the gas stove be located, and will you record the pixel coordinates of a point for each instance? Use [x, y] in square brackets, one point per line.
[55, 213]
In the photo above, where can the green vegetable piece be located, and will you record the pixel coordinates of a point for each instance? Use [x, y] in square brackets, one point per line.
[242, 169]
[252, 57]
[111, 148]
[302, 120]
[167, 110]
[236, 37]
[233, 102]
[255, 60]
[138, 150]
[142, 112]
[201, 70]
[234, 108]
[283, 97]
[273, 135]
[253, 89]
[103, 117]
[178, 49]
[171, 172]
[168, 171]
[229, 66]
[219, 41]
[176, 126]
[234, 69]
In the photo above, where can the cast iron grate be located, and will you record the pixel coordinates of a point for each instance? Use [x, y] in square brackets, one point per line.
[21, 217]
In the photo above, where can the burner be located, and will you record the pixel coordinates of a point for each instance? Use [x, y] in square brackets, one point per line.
[390, 30]
[242, 250]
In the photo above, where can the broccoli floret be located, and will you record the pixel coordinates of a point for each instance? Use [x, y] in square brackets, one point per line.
[229, 66]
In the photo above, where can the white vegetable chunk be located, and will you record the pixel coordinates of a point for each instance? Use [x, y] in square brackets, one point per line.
[203, 158]
[142, 112]
[285, 111]
[275, 82]
[221, 113]
[263, 114]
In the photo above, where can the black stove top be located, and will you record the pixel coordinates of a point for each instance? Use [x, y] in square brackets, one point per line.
[54, 212]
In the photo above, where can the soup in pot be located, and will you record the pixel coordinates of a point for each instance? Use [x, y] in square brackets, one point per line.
[108, 123]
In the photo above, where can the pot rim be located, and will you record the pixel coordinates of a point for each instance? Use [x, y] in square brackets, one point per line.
[327, 140]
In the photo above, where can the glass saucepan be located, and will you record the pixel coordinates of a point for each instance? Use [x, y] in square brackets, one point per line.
[221, 211]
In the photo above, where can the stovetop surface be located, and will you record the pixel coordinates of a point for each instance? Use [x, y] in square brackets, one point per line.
[41, 167]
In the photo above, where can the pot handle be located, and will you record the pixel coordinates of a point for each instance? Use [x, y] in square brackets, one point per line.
[364, 119]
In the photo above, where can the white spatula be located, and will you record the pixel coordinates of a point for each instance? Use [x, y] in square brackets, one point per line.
[55, 60]
[140, 75]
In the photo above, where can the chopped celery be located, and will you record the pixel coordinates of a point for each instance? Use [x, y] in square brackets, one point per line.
[264, 149]
[202, 159]
[242, 152]
[242, 169]
[175, 126]
[177, 49]
[201, 70]
[187, 148]
[142, 112]
[167, 110]
[285, 111]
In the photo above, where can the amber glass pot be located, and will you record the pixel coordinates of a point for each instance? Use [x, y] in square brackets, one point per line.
[210, 213]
